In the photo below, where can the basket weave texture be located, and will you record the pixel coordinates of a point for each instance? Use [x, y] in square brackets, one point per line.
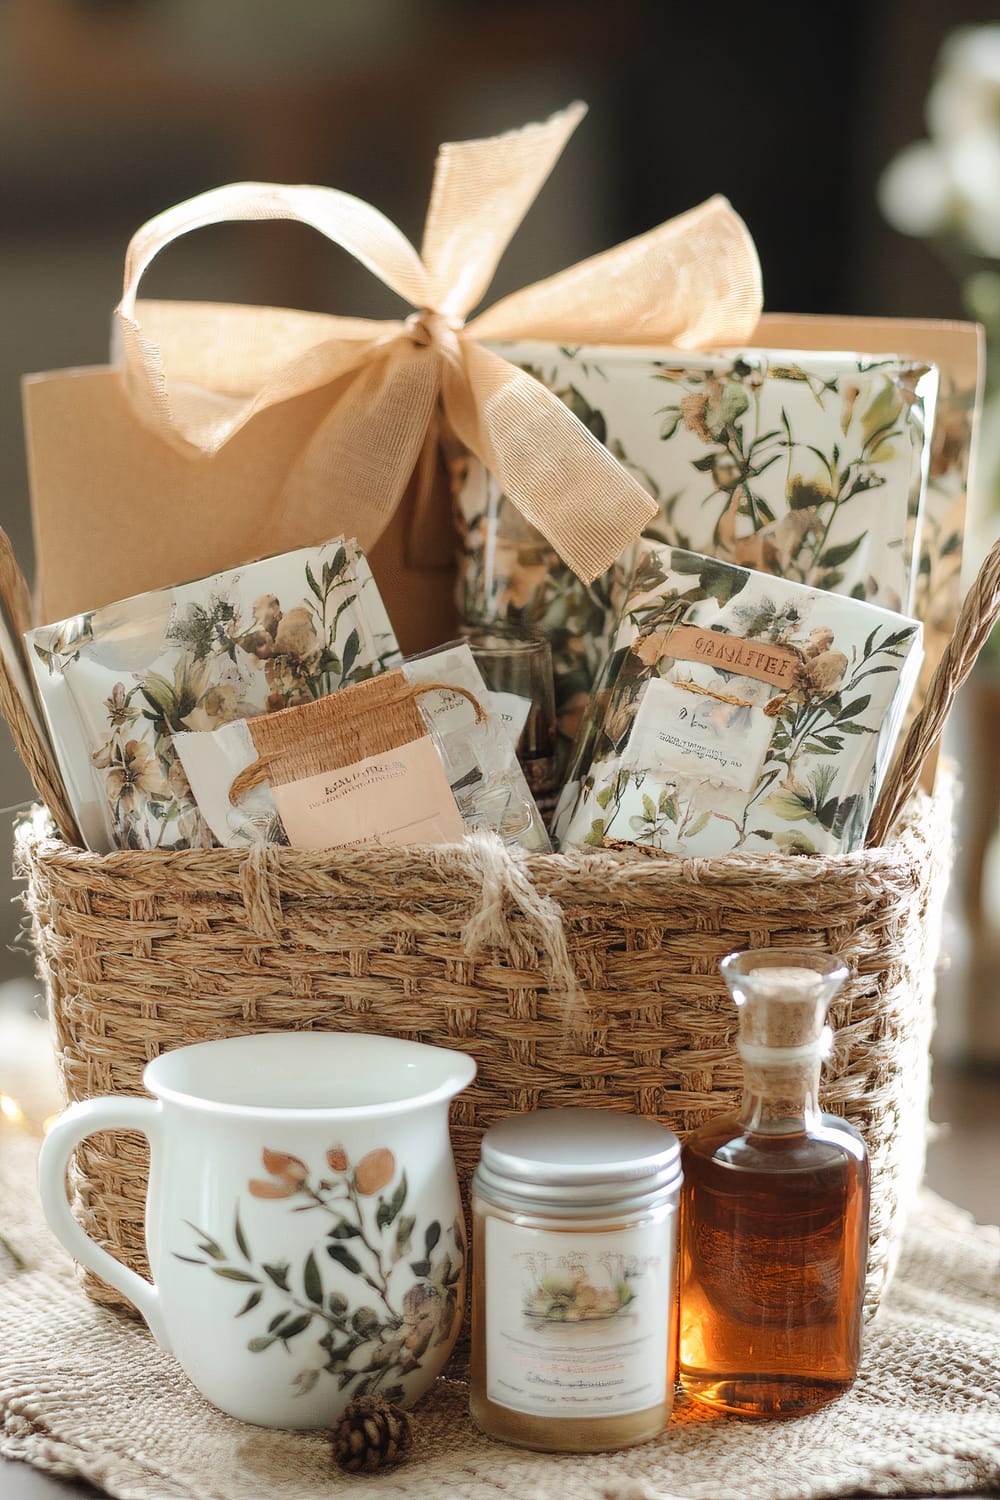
[572, 979]
[142, 952]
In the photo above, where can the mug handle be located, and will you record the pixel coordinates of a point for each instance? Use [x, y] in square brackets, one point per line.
[72, 1126]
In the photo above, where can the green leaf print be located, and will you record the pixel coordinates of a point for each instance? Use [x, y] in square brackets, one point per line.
[372, 1345]
[834, 556]
[312, 1281]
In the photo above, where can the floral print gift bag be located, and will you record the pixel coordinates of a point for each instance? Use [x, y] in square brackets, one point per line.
[117, 682]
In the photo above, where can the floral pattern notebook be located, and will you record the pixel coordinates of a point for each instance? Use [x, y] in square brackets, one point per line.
[738, 712]
[116, 682]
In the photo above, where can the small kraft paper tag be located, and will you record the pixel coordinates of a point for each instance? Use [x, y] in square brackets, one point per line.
[764, 662]
[399, 797]
[357, 767]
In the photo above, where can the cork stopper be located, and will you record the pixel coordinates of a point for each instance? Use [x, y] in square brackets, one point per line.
[783, 996]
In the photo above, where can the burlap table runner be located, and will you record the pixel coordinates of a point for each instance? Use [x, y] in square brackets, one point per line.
[85, 1393]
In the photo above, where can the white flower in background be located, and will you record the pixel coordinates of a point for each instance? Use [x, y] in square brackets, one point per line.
[949, 185]
[915, 191]
[965, 96]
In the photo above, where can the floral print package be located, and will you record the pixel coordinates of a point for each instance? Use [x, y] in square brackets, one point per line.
[476, 750]
[117, 682]
[738, 712]
[810, 466]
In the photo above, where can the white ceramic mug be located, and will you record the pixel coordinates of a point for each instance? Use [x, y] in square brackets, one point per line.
[303, 1221]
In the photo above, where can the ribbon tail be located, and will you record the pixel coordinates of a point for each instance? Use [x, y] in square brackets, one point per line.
[362, 454]
[562, 480]
[430, 529]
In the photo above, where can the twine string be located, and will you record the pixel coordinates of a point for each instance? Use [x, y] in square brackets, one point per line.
[256, 773]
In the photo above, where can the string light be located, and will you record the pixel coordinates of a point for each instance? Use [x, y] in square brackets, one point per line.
[13, 1114]
[11, 1110]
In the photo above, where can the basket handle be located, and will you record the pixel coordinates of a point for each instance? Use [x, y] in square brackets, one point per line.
[979, 613]
[18, 710]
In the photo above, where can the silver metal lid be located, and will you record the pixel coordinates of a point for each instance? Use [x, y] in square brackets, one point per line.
[578, 1162]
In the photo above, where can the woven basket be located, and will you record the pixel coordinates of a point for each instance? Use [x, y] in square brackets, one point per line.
[573, 979]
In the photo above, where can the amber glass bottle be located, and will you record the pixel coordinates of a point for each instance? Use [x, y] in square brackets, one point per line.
[774, 1209]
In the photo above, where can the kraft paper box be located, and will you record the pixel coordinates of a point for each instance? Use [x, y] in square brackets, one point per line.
[101, 482]
[116, 682]
[808, 465]
[738, 711]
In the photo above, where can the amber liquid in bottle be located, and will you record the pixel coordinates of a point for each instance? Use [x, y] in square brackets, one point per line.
[774, 1233]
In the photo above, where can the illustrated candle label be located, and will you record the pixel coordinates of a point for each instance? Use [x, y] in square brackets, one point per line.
[578, 1324]
[683, 733]
[399, 797]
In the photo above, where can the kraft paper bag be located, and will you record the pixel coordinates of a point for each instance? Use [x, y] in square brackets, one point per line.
[117, 511]
[225, 433]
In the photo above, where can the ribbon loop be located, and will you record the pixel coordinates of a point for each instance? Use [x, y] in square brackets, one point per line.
[350, 222]
[691, 282]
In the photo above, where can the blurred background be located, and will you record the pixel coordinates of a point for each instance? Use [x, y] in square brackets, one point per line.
[110, 110]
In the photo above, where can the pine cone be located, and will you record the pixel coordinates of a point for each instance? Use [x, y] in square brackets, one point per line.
[371, 1435]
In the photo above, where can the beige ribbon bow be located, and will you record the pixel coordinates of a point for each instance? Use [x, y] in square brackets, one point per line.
[198, 372]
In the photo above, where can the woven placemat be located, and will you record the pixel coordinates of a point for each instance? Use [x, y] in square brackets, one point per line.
[87, 1394]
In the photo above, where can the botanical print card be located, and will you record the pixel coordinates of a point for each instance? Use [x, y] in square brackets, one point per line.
[738, 711]
[811, 466]
[117, 682]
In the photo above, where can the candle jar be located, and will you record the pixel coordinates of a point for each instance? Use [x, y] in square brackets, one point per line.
[574, 1249]
[518, 672]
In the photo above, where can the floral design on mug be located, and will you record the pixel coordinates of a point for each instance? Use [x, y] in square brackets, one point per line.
[372, 1344]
